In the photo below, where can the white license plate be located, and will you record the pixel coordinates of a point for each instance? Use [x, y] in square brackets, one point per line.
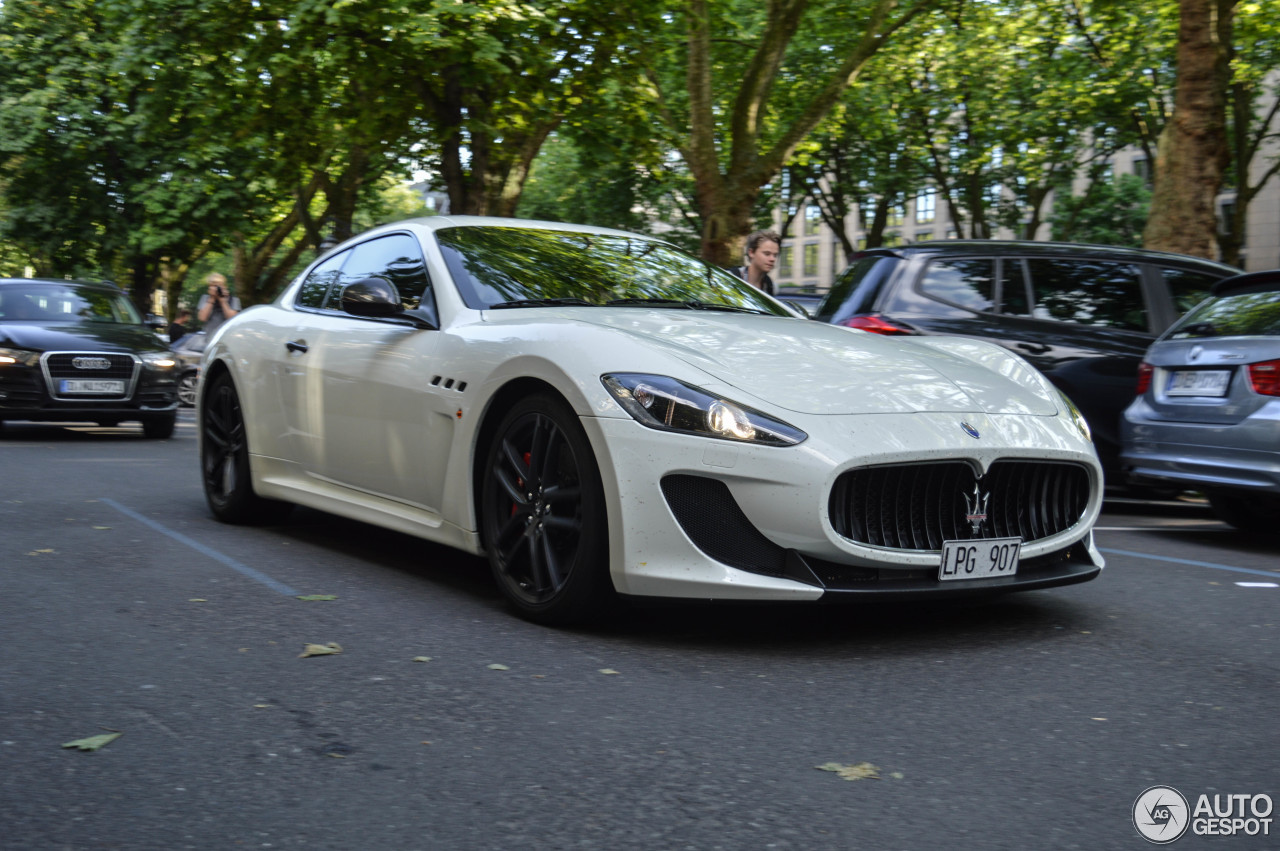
[1199, 382]
[90, 385]
[981, 559]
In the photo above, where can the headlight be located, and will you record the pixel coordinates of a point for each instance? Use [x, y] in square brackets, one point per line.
[159, 360]
[9, 357]
[668, 404]
[1076, 416]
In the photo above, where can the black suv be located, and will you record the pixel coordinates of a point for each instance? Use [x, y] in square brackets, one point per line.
[80, 352]
[1082, 314]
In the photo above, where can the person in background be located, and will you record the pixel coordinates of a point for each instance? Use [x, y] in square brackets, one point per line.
[763, 248]
[217, 305]
[178, 327]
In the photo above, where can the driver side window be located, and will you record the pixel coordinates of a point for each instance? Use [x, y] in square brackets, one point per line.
[322, 278]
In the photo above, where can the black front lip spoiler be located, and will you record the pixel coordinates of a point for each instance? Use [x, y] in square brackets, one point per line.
[1068, 572]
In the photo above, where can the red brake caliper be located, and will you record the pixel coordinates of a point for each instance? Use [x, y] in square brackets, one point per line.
[520, 481]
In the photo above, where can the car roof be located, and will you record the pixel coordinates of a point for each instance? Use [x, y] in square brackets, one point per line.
[61, 282]
[434, 223]
[1032, 248]
[1254, 282]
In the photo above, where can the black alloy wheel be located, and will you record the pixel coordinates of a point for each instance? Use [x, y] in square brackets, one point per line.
[543, 517]
[224, 459]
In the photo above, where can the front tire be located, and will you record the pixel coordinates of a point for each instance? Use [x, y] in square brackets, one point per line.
[543, 518]
[1249, 513]
[160, 427]
[224, 460]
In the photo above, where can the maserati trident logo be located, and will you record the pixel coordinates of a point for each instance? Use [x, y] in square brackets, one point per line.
[975, 510]
[91, 363]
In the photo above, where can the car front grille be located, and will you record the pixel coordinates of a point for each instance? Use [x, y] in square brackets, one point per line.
[918, 506]
[58, 366]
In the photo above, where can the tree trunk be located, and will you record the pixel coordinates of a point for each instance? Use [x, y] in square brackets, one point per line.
[1192, 153]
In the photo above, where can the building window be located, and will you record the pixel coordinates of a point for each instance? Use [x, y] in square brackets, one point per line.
[896, 214]
[784, 262]
[926, 207]
[812, 219]
[924, 235]
[1142, 168]
[892, 240]
[811, 258]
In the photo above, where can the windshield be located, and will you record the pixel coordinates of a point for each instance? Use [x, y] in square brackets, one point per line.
[527, 266]
[1255, 314]
[41, 302]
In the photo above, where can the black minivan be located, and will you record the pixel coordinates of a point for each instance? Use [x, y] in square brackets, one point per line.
[1082, 314]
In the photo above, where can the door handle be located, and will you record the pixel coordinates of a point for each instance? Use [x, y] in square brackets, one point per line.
[296, 346]
[1034, 348]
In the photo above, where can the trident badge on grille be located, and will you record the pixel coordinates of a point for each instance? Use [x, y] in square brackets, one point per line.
[976, 510]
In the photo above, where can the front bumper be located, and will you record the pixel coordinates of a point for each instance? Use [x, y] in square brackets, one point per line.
[770, 536]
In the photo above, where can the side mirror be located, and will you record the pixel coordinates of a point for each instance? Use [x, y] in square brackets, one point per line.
[375, 297]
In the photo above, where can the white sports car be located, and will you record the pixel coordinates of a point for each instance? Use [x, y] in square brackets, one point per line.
[600, 413]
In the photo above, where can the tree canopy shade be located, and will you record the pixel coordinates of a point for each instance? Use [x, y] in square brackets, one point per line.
[738, 85]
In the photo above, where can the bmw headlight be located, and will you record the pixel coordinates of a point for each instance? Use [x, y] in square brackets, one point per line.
[20, 357]
[668, 404]
[1076, 416]
[159, 360]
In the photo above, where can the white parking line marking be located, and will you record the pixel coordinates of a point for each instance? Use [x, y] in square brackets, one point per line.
[243, 569]
[1258, 585]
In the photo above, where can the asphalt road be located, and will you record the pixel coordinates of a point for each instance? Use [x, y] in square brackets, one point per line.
[1033, 721]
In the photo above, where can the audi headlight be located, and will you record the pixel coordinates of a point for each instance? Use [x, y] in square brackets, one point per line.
[668, 404]
[1076, 416]
[18, 356]
[159, 360]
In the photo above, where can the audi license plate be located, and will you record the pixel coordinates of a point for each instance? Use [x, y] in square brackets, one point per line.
[1199, 382]
[90, 385]
[982, 559]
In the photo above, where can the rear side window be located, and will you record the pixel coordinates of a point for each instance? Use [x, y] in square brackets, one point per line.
[398, 258]
[967, 282]
[1089, 292]
[1187, 288]
[316, 286]
[1245, 315]
[854, 291]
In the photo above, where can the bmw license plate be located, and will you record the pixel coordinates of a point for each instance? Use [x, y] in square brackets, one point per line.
[1199, 382]
[90, 385]
[982, 559]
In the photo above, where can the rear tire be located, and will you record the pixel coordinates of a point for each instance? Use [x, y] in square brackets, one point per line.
[187, 388]
[1258, 513]
[224, 460]
[542, 515]
[161, 427]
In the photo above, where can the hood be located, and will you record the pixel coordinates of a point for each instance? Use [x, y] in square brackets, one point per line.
[815, 368]
[79, 336]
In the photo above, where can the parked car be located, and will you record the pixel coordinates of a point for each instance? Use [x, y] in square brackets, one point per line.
[1081, 314]
[601, 413]
[80, 352]
[805, 299]
[1207, 414]
[188, 349]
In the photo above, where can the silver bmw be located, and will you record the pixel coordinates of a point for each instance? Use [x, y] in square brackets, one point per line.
[1207, 415]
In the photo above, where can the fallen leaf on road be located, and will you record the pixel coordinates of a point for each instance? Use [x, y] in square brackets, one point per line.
[311, 598]
[93, 743]
[608, 671]
[40, 552]
[861, 771]
[262, 706]
[102, 527]
[197, 600]
[496, 667]
[422, 658]
[320, 650]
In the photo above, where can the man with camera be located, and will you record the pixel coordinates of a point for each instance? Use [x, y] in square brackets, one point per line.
[218, 304]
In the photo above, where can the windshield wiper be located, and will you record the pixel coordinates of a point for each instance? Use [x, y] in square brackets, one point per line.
[542, 302]
[691, 305]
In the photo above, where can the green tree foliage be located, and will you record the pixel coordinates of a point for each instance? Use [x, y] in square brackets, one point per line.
[1110, 212]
